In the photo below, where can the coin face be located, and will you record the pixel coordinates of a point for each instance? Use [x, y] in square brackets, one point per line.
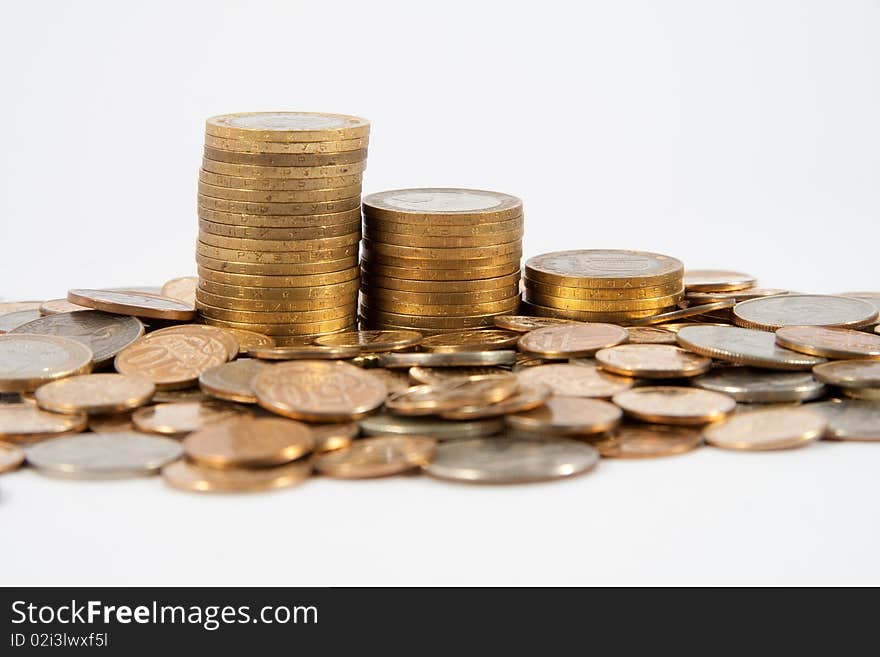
[651, 335]
[319, 391]
[603, 268]
[771, 313]
[524, 399]
[328, 437]
[232, 381]
[29, 361]
[652, 361]
[249, 443]
[511, 460]
[571, 340]
[183, 289]
[524, 323]
[287, 126]
[574, 380]
[856, 373]
[372, 341]
[382, 424]
[105, 334]
[777, 428]
[448, 359]
[675, 405]
[172, 360]
[181, 418]
[188, 476]
[103, 455]
[638, 441]
[743, 347]
[441, 397]
[829, 342]
[716, 280]
[568, 416]
[247, 339]
[24, 422]
[746, 384]
[851, 419]
[94, 393]
[443, 205]
[138, 304]
[394, 380]
[471, 340]
[11, 321]
[304, 352]
[379, 456]
[11, 457]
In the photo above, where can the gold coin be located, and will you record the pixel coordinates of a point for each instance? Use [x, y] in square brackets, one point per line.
[526, 360]
[25, 423]
[278, 209]
[604, 269]
[636, 441]
[652, 361]
[279, 184]
[829, 342]
[11, 457]
[249, 443]
[346, 253]
[183, 289]
[281, 294]
[450, 395]
[192, 477]
[268, 268]
[571, 340]
[372, 341]
[469, 275]
[434, 231]
[286, 159]
[604, 294]
[330, 437]
[94, 393]
[256, 317]
[717, 280]
[180, 418]
[675, 405]
[287, 126]
[778, 428]
[743, 347]
[382, 250]
[273, 306]
[7, 307]
[692, 311]
[394, 380]
[441, 206]
[574, 380]
[249, 339]
[442, 298]
[432, 375]
[855, 373]
[867, 394]
[651, 335]
[259, 171]
[582, 316]
[443, 310]
[227, 338]
[456, 359]
[506, 282]
[277, 281]
[471, 340]
[598, 306]
[525, 398]
[232, 381]
[185, 395]
[453, 243]
[281, 221]
[172, 360]
[305, 352]
[736, 295]
[111, 423]
[771, 313]
[524, 323]
[132, 303]
[256, 146]
[282, 332]
[274, 196]
[295, 245]
[281, 234]
[379, 456]
[57, 306]
[418, 322]
[27, 361]
[565, 416]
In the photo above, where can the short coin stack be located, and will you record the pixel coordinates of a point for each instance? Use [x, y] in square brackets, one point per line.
[602, 285]
[279, 222]
[440, 259]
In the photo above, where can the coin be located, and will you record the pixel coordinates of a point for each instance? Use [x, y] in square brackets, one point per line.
[574, 380]
[372, 341]
[651, 335]
[736, 295]
[443, 374]
[745, 384]
[652, 361]
[871, 297]
[288, 221]
[280, 281]
[440, 286]
[257, 317]
[181, 418]
[111, 423]
[287, 126]
[743, 347]
[378, 236]
[379, 456]
[279, 184]
[224, 261]
[94, 393]
[449, 311]
[394, 380]
[851, 419]
[524, 323]
[438, 398]
[441, 206]
[104, 333]
[172, 360]
[183, 289]
[382, 423]
[603, 268]
[249, 443]
[186, 395]
[418, 322]
[295, 251]
[55, 306]
[441, 230]
[692, 311]
[277, 209]
[771, 313]
[7, 307]
[11, 321]
[716, 280]
[571, 340]
[635, 441]
[329, 437]
[11, 457]
[103, 455]
[187, 476]
[525, 398]
[870, 394]
[525, 360]
[775, 428]
[232, 381]
[463, 268]
[855, 373]
[248, 339]
[238, 303]
[305, 352]
[448, 359]
[621, 295]
[318, 391]
[415, 272]
[656, 305]
[25, 422]
[511, 460]
[675, 405]
[279, 233]
[132, 303]
[28, 361]
[286, 159]
[565, 415]
[256, 146]
[456, 301]
[829, 342]
[472, 340]
[627, 317]
[188, 330]
[496, 251]
[283, 332]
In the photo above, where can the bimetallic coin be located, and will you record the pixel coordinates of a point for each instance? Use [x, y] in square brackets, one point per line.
[470, 340]
[29, 361]
[249, 443]
[775, 428]
[94, 393]
[829, 342]
[561, 415]
[103, 455]
[638, 441]
[524, 323]
[55, 306]
[851, 419]
[11, 321]
[571, 340]
[286, 159]
[644, 297]
[251, 146]
[743, 347]
[511, 460]
[574, 380]
[385, 424]
[25, 422]
[379, 456]
[604, 268]
[652, 304]
[372, 341]
[716, 280]
[438, 398]
[771, 313]
[329, 437]
[11, 457]
[132, 303]
[440, 206]
[232, 381]
[287, 126]
[652, 361]
[188, 476]
[525, 398]
[651, 335]
[675, 405]
[855, 373]
[749, 385]
[691, 311]
[432, 375]
[172, 360]
[183, 289]
[181, 418]
[304, 352]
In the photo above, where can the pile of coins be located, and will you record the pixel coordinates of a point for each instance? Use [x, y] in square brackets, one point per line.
[437, 260]
[279, 222]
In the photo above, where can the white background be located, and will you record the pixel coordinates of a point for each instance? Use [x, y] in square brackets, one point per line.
[729, 134]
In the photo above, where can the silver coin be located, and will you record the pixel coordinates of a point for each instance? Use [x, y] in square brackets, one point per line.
[452, 359]
[744, 347]
[11, 321]
[506, 460]
[103, 455]
[771, 313]
[857, 373]
[746, 384]
[851, 419]
[105, 334]
[384, 424]
[871, 297]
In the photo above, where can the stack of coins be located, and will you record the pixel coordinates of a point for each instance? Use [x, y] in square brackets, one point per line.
[279, 222]
[439, 260]
[602, 285]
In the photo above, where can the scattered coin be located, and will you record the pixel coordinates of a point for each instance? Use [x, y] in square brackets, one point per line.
[736, 295]
[451, 395]
[749, 385]
[651, 335]
[684, 313]
[574, 380]
[379, 456]
[525, 323]
[111, 423]
[304, 352]
[55, 306]
[249, 443]
[382, 424]
[188, 476]
[869, 394]
[11, 457]
[524, 399]
[11, 321]
[232, 381]
[829, 342]
[776, 428]
[562, 415]
[372, 341]
[652, 361]
[394, 380]
[635, 441]
[225, 336]
[743, 347]
[473, 340]
[25, 422]
[571, 340]
[138, 304]
[451, 359]
[249, 339]
[511, 460]
[329, 437]
[855, 373]
[181, 395]
[29, 361]
[851, 419]
[7, 307]
[172, 360]
[771, 313]
[716, 280]
[675, 405]
[431, 375]
[181, 418]
[183, 289]
[94, 393]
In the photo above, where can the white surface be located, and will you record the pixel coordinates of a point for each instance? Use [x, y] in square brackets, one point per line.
[737, 135]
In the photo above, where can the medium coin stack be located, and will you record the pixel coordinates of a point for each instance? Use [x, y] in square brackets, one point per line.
[602, 285]
[439, 260]
[279, 222]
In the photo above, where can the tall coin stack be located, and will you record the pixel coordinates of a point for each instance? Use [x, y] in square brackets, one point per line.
[602, 285]
[279, 222]
[439, 260]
